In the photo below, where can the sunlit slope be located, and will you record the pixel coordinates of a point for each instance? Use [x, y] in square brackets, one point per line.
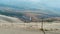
[7, 19]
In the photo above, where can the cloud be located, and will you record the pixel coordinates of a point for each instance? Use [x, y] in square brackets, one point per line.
[52, 3]
[29, 1]
[22, 3]
[32, 4]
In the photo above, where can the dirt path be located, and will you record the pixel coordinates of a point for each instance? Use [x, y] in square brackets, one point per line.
[17, 31]
[22, 31]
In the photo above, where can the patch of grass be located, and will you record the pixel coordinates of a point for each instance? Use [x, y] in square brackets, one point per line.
[44, 29]
[48, 29]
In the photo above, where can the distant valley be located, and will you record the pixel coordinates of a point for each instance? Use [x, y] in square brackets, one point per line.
[30, 15]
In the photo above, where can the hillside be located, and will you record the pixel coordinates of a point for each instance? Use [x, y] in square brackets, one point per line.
[8, 19]
[30, 15]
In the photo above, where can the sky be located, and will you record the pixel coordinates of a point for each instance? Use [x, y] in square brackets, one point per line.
[27, 4]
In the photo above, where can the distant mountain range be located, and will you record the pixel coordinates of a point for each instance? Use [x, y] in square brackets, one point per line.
[28, 15]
